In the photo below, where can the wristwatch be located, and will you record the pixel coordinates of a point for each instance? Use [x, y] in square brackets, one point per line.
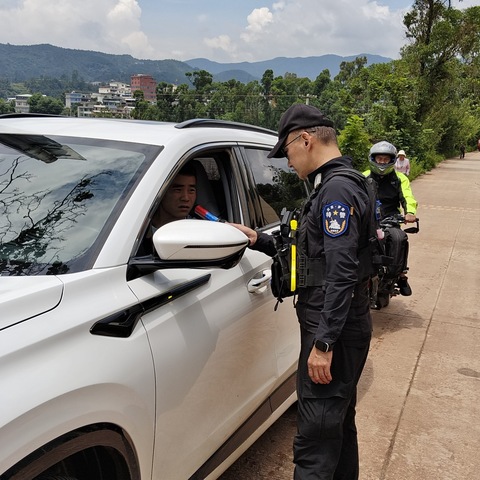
[323, 346]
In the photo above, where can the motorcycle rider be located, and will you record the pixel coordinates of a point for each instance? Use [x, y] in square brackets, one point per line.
[394, 193]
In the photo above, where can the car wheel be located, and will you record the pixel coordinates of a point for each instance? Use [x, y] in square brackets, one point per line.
[96, 453]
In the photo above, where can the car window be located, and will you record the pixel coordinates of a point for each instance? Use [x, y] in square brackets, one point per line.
[210, 185]
[214, 184]
[57, 195]
[277, 186]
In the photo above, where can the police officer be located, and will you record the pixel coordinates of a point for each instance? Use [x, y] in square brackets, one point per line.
[335, 322]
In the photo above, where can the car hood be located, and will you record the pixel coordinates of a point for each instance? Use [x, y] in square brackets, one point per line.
[25, 297]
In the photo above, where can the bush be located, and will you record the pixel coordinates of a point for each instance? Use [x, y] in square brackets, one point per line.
[355, 142]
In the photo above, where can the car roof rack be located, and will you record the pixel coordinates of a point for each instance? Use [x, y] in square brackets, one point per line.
[192, 123]
[211, 122]
[20, 115]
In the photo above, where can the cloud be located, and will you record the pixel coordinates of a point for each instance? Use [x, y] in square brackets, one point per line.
[221, 31]
[222, 42]
[111, 26]
[303, 28]
[257, 21]
[123, 25]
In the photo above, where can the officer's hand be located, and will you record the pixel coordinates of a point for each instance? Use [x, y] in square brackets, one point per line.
[319, 366]
[410, 218]
[249, 232]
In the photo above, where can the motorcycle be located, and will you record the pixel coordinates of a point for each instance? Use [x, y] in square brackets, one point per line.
[395, 244]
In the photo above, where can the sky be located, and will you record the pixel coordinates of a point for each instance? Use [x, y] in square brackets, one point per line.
[225, 31]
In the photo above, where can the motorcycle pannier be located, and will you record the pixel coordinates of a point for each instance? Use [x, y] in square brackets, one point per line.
[396, 247]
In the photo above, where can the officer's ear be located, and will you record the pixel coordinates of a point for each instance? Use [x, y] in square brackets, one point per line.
[306, 139]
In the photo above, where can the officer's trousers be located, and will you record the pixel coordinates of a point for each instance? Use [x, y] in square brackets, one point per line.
[325, 447]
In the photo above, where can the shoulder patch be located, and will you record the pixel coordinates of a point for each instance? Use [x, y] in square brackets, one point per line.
[335, 218]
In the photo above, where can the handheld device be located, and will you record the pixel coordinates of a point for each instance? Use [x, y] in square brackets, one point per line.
[205, 214]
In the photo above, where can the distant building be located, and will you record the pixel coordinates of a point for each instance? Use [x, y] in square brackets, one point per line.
[115, 92]
[115, 88]
[112, 100]
[146, 84]
[85, 110]
[76, 97]
[21, 103]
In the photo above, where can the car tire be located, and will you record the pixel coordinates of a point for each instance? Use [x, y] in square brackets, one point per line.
[94, 452]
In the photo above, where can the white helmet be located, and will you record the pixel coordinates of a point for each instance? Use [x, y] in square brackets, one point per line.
[382, 148]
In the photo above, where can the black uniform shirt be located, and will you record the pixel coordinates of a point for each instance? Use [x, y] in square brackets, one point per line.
[334, 229]
[340, 310]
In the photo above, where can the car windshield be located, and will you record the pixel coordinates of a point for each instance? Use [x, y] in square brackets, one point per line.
[58, 195]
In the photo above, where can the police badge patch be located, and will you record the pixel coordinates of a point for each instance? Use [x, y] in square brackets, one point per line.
[335, 218]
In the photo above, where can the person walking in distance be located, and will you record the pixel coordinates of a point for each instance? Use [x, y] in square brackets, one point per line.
[333, 313]
[402, 163]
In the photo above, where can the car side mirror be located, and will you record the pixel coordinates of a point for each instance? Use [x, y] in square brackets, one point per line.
[192, 244]
[202, 241]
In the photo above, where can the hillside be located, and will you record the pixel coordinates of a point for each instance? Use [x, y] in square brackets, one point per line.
[20, 63]
[302, 66]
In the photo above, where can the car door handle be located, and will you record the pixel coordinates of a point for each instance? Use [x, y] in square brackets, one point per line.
[259, 285]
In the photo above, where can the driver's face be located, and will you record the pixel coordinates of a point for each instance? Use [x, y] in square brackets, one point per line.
[180, 197]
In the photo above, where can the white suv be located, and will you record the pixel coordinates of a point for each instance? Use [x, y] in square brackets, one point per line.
[116, 364]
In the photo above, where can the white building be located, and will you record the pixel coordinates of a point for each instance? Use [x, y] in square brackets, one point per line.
[21, 103]
[114, 99]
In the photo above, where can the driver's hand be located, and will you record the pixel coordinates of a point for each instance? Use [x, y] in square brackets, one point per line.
[410, 218]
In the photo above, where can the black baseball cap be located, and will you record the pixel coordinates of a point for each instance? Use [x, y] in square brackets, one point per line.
[297, 116]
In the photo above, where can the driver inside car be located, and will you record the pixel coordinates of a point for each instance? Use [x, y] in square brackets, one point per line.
[177, 204]
[179, 199]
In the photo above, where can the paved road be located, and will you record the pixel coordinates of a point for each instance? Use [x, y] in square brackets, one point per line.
[419, 397]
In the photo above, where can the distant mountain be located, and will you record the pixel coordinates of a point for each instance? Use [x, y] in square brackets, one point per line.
[226, 75]
[309, 67]
[19, 63]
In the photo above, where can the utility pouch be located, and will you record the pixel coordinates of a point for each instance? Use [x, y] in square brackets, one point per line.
[281, 276]
[284, 263]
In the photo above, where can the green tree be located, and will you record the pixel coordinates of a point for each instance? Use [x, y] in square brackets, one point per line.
[201, 80]
[444, 45]
[354, 141]
[266, 83]
[321, 82]
[6, 89]
[166, 97]
[6, 107]
[186, 107]
[141, 106]
[42, 104]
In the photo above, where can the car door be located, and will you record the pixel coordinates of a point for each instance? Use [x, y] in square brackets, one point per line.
[275, 187]
[219, 349]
